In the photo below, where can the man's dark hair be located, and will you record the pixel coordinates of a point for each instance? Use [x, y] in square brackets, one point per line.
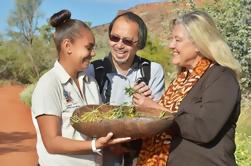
[142, 27]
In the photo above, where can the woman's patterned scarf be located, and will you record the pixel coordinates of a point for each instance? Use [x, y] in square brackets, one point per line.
[155, 150]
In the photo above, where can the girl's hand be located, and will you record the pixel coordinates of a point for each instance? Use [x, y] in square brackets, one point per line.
[107, 140]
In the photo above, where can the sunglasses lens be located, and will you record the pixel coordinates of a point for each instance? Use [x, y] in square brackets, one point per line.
[114, 38]
[127, 42]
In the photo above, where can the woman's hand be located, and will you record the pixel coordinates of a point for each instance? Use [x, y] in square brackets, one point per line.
[108, 140]
[142, 100]
[143, 89]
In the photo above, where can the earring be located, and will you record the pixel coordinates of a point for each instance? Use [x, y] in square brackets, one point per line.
[69, 52]
[198, 52]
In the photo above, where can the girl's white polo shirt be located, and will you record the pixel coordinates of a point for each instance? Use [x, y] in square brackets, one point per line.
[56, 94]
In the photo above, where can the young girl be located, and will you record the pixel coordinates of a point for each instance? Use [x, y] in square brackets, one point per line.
[63, 89]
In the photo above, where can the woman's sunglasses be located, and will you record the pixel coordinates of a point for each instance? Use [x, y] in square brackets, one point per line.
[125, 41]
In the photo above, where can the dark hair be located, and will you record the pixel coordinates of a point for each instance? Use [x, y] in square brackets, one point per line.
[142, 27]
[66, 28]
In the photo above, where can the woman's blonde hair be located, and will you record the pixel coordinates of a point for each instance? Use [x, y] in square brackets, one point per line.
[203, 32]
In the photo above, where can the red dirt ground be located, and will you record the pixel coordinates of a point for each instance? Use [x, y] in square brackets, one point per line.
[17, 134]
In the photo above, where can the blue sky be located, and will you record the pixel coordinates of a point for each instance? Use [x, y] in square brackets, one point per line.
[96, 11]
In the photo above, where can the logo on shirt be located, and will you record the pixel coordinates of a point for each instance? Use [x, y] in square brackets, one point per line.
[67, 96]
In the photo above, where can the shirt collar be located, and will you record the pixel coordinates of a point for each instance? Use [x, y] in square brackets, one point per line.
[82, 76]
[64, 77]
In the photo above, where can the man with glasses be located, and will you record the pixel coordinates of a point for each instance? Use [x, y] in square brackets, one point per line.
[122, 68]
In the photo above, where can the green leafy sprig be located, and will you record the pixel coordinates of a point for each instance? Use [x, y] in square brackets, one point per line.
[129, 91]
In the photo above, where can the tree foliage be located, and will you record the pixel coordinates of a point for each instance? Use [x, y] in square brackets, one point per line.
[233, 20]
[23, 23]
[25, 17]
[28, 50]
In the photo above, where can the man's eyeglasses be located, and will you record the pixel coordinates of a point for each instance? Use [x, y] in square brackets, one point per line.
[125, 41]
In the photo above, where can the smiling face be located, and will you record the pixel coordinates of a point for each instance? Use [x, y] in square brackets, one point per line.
[83, 50]
[77, 54]
[185, 53]
[122, 51]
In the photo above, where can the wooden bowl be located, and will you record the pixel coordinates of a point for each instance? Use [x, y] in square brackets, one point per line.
[148, 124]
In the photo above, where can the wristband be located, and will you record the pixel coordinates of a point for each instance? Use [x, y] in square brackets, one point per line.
[94, 149]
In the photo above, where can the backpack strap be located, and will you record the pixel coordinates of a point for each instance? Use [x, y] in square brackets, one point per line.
[145, 70]
[99, 73]
[101, 68]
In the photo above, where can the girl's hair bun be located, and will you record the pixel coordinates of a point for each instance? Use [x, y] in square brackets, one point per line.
[60, 17]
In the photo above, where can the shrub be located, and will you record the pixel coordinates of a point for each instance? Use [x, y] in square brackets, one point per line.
[243, 149]
[243, 134]
[26, 94]
[233, 19]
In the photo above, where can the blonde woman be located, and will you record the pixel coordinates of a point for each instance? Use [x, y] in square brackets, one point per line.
[205, 96]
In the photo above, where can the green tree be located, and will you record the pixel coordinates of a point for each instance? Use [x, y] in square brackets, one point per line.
[232, 18]
[23, 23]
[45, 33]
[12, 62]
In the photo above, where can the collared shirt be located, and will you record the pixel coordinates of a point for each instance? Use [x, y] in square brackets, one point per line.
[57, 94]
[119, 82]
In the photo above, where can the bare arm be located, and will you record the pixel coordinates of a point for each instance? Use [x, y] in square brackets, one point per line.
[50, 129]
